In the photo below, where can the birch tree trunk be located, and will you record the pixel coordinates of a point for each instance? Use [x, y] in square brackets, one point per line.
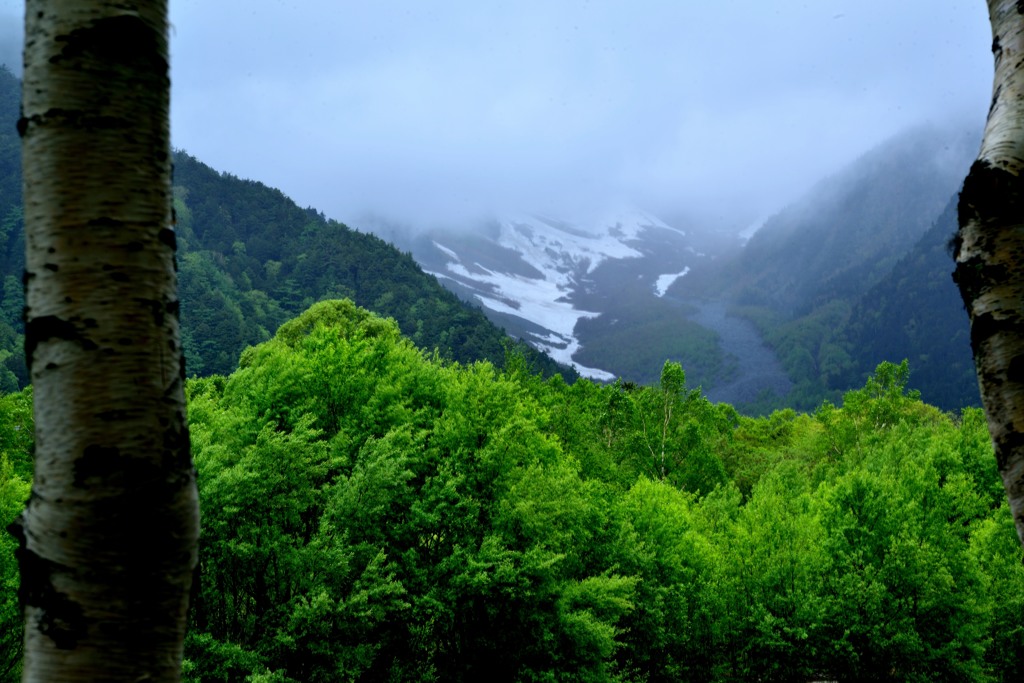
[990, 253]
[111, 527]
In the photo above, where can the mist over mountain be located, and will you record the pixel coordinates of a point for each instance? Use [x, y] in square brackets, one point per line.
[777, 318]
[830, 277]
[852, 274]
[852, 227]
[915, 312]
[555, 282]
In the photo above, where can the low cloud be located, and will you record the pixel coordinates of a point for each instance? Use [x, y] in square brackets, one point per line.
[442, 112]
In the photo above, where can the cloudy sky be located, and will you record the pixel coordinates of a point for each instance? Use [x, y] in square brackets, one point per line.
[440, 111]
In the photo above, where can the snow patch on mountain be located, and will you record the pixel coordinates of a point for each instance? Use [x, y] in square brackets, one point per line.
[446, 251]
[540, 301]
[663, 282]
[564, 354]
[563, 254]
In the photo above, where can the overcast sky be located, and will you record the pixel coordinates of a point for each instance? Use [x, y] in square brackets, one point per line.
[433, 111]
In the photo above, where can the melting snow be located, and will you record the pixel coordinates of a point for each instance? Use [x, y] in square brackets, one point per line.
[562, 253]
[447, 252]
[565, 356]
[665, 281]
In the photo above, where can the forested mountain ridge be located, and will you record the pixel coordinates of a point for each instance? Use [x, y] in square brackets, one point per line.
[912, 312]
[848, 232]
[916, 312]
[856, 272]
[12, 242]
[249, 258]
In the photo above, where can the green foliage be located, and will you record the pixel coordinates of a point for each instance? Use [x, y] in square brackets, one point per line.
[15, 476]
[407, 512]
[372, 512]
[375, 513]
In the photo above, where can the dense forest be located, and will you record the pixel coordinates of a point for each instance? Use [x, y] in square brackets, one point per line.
[249, 258]
[372, 512]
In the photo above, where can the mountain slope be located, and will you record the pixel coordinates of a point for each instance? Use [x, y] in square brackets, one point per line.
[270, 259]
[915, 312]
[618, 297]
[827, 279]
[13, 372]
[851, 229]
[583, 291]
[249, 259]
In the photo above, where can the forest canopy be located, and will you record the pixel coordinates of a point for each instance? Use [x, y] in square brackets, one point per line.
[375, 512]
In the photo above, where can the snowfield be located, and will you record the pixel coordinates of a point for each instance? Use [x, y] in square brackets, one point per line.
[563, 254]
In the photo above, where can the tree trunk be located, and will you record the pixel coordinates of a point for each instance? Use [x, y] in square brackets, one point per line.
[989, 252]
[110, 530]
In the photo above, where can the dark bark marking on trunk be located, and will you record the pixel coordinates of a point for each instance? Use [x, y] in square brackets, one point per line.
[1020, 6]
[47, 327]
[176, 454]
[1015, 373]
[157, 308]
[105, 222]
[974, 276]
[990, 194]
[68, 117]
[122, 39]
[984, 326]
[167, 236]
[62, 619]
[99, 462]
[174, 309]
[995, 100]
[1006, 446]
[161, 310]
[112, 415]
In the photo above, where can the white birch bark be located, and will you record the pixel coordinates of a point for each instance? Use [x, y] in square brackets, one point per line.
[990, 253]
[111, 528]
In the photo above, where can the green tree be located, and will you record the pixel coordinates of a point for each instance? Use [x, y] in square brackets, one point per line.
[15, 479]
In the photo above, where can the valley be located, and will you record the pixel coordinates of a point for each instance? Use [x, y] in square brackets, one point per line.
[756, 372]
[618, 295]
